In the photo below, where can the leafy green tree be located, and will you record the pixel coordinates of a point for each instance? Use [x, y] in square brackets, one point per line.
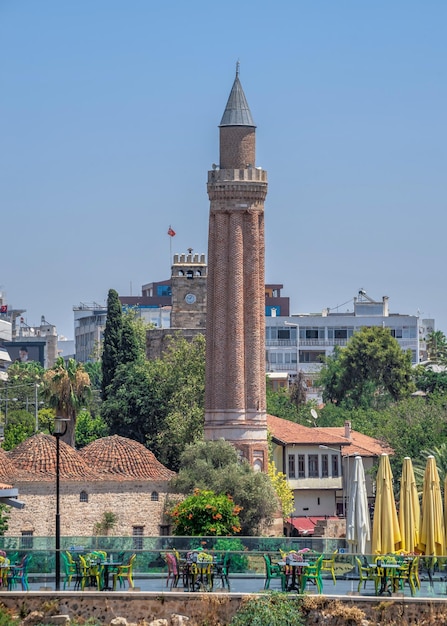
[160, 403]
[280, 404]
[4, 518]
[94, 371]
[408, 426]
[112, 341]
[419, 464]
[429, 381]
[204, 514]
[183, 370]
[371, 367]
[66, 386]
[437, 347]
[216, 466]
[133, 338]
[20, 426]
[89, 428]
[135, 405]
[22, 386]
[283, 491]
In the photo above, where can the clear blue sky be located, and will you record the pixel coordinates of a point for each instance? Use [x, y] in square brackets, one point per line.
[109, 114]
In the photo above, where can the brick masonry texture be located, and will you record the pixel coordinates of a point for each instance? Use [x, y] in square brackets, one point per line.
[235, 377]
[237, 146]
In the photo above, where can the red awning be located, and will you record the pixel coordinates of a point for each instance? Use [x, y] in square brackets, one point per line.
[305, 525]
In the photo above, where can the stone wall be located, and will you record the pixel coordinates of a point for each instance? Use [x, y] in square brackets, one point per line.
[219, 608]
[130, 500]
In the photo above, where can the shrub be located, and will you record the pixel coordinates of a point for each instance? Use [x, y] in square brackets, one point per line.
[273, 609]
[205, 514]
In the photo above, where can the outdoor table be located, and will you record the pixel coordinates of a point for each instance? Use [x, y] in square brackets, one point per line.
[295, 583]
[107, 565]
[387, 576]
[196, 575]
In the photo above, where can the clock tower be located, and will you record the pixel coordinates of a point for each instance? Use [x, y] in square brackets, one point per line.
[188, 286]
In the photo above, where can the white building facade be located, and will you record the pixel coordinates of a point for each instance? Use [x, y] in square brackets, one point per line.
[300, 342]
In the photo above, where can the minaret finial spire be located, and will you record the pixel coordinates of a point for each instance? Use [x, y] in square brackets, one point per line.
[237, 68]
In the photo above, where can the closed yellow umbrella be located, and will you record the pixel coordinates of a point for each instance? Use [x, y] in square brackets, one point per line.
[386, 532]
[431, 536]
[409, 509]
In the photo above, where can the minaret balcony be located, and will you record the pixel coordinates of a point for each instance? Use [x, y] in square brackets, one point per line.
[249, 174]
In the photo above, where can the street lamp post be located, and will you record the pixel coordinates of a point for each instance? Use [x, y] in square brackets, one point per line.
[60, 428]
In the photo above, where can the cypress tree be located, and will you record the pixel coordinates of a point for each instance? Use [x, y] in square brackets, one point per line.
[112, 340]
[130, 349]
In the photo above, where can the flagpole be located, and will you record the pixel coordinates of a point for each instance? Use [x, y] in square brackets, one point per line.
[171, 234]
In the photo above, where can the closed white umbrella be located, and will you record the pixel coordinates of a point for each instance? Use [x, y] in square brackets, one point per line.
[358, 527]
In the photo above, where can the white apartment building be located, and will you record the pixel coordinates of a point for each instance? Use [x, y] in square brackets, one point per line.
[299, 342]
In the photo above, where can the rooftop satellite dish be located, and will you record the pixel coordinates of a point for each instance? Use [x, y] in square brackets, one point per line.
[314, 414]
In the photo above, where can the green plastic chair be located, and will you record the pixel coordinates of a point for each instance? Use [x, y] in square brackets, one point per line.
[273, 571]
[69, 569]
[312, 573]
[223, 569]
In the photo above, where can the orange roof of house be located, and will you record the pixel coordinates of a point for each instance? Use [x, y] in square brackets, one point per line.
[360, 444]
[288, 432]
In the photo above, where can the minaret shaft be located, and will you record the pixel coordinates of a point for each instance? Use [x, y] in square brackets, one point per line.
[235, 349]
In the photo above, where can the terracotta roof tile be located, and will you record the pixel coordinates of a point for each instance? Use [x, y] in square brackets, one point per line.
[360, 444]
[288, 432]
[8, 471]
[292, 433]
[37, 457]
[124, 458]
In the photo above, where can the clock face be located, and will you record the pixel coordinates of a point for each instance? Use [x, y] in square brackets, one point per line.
[190, 298]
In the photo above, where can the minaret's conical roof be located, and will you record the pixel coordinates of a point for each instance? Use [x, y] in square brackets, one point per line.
[237, 111]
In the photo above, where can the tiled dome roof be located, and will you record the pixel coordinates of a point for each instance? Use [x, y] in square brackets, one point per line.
[8, 471]
[37, 456]
[125, 458]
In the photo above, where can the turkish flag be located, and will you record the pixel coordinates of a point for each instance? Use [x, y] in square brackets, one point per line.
[4, 308]
[171, 232]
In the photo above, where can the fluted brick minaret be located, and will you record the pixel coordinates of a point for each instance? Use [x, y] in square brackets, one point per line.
[235, 330]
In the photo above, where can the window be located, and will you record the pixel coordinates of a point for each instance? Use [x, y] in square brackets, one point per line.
[258, 460]
[291, 466]
[335, 466]
[154, 496]
[324, 466]
[343, 332]
[301, 466]
[311, 333]
[83, 496]
[283, 333]
[311, 356]
[137, 534]
[26, 542]
[313, 465]
[163, 290]
[164, 530]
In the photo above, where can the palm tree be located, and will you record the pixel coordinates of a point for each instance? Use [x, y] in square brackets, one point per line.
[437, 347]
[440, 454]
[66, 386]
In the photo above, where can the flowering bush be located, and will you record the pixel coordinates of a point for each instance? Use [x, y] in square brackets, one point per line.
[205, 513]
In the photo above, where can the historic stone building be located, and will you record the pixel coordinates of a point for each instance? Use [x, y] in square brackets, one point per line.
[235, 406]
[112, 474]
